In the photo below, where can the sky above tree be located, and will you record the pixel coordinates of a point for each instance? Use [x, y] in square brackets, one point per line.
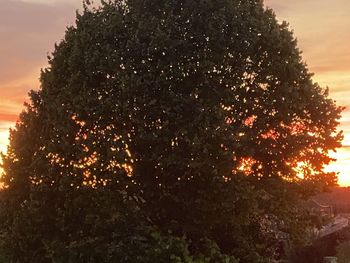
[29, 29]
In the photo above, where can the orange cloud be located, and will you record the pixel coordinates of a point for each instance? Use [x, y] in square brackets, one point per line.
[8, 117]
[28, 31]
[322, 30]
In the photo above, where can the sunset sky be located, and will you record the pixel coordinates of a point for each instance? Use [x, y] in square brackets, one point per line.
[29, 29]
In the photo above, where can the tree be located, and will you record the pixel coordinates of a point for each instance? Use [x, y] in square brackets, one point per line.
[197, 119]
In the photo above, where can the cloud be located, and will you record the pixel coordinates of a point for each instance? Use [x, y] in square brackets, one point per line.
[55, 2]
[28, 31]
[322, 30]
[9, 107]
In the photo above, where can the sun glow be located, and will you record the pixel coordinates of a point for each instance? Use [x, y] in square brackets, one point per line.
[4, 134]
[341, 165]
[3, 141]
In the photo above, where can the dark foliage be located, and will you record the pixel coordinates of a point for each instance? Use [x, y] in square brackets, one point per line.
[335, 244]
[168, 131]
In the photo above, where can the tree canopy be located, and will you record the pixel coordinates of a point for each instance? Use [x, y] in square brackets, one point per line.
[168, 131]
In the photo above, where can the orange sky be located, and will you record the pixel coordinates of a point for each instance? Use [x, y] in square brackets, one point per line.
[322, 28]
[29, 29]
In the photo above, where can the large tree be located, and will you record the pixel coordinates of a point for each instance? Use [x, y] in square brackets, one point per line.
[194, 119]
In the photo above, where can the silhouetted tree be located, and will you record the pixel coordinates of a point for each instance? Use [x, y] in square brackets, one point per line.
[194, 120]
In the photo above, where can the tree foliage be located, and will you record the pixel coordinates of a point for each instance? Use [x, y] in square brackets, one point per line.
[177, 130]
